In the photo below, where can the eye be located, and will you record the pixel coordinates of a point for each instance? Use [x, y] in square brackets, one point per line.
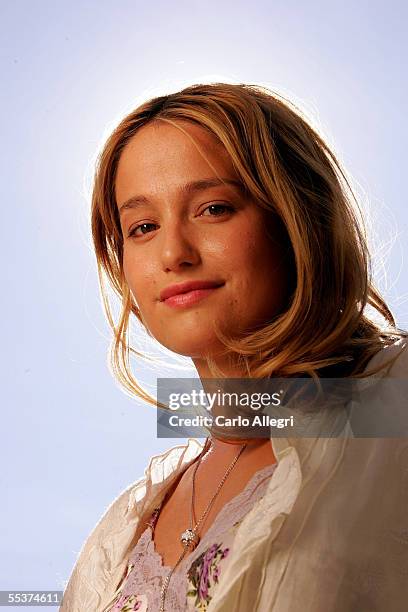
[218, 210]
[144, 229]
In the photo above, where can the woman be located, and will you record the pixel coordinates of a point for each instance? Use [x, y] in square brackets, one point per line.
[226, 226]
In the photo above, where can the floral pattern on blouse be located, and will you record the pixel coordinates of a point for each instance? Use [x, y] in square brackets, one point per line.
[127, 603]
[204, 572]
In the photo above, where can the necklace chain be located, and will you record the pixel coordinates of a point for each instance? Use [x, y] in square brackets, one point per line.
[190, 538]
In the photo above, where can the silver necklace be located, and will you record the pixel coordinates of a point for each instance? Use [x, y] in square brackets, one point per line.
[190, 538]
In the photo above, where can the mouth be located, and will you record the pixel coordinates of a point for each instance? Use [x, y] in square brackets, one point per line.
[190, 297]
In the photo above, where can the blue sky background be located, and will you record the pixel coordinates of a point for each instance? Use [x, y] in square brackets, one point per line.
[72, 440]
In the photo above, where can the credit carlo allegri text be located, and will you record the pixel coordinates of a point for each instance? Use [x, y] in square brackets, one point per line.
[237, 421]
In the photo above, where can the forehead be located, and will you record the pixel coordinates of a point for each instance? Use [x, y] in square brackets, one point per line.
[161, 155]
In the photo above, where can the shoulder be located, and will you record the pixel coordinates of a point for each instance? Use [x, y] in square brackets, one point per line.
[101, 558]
[161, 469]
[379, 399]
[394, 358]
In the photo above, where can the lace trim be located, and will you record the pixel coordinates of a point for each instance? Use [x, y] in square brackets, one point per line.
[230, 514]
[233, 512]
[147, 564]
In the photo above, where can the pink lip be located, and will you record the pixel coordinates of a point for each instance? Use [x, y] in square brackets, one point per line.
[188, 293]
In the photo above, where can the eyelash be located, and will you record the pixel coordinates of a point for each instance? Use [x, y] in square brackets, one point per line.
[229, 208]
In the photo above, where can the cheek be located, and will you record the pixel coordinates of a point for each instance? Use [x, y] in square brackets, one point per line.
[258, 273]
[240, 262]
[232, 247]
[243, 254]
[141, 280]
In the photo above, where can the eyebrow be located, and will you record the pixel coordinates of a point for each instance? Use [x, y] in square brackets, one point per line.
[187, 189]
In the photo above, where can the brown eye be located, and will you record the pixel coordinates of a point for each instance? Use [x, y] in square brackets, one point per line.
[144, 228]
[218, 209]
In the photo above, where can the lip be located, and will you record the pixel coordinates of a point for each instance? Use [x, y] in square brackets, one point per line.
[187, 293]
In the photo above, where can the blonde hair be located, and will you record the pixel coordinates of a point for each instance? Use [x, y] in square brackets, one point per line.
[288, 169]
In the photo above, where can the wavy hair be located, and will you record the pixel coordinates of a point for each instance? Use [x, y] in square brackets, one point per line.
[288, 169]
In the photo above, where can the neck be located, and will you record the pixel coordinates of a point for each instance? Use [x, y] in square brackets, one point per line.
[229, 367]
[227, 445]
[257, 453]
[220, 444]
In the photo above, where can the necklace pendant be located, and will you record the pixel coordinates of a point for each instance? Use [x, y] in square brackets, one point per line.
[189, 539]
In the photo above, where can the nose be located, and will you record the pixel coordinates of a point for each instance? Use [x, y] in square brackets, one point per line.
[178, 247]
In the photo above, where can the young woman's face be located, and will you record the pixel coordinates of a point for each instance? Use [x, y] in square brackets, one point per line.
[179, 226]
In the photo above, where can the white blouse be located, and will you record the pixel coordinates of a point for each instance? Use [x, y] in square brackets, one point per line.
[330, 533]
